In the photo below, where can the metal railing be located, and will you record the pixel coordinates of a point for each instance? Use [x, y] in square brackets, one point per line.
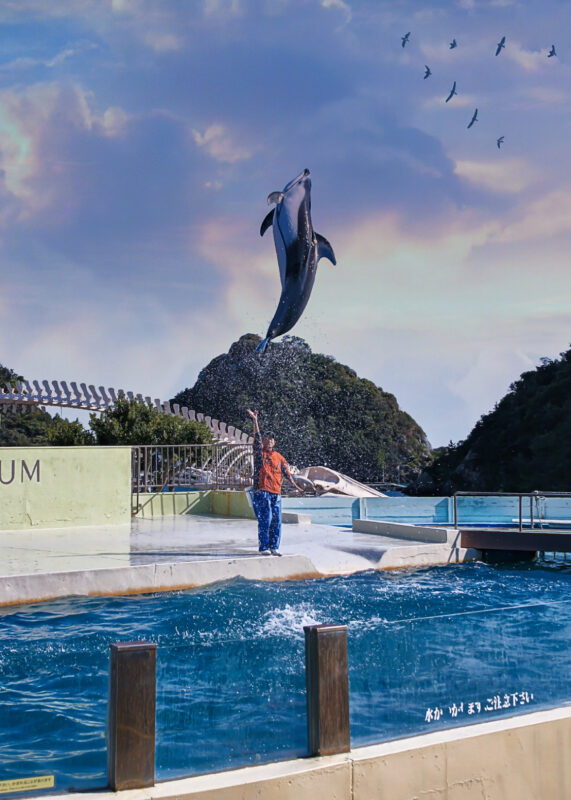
[171, 468]
[533, 496]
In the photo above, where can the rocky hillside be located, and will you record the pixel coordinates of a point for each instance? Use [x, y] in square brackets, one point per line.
[319, 410]
[520, 446]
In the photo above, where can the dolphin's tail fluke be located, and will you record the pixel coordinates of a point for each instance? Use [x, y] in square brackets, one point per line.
[261, 348]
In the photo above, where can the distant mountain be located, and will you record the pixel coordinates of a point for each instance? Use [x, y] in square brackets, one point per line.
[522, 445]
[319, 410]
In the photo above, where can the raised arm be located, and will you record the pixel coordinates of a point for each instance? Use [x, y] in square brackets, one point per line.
[254, 415]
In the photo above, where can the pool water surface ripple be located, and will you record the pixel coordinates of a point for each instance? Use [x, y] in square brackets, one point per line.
[428, 648]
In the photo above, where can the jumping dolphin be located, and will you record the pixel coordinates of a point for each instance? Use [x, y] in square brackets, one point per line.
[298, 248]
[501, 44]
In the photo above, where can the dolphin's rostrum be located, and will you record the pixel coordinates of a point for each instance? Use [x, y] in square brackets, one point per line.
[298, 248]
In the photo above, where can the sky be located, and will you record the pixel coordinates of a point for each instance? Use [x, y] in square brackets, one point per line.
[139, 140]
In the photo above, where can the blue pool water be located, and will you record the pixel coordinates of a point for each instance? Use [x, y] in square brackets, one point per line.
[428, 649]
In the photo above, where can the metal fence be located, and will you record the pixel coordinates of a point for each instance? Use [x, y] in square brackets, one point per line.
[172, 468]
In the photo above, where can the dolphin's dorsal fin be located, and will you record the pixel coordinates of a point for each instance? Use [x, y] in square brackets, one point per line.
[324, 249]
[275, 197]
[267, 223]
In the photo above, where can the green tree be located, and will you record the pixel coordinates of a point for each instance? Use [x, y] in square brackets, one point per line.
[135, 422]
[8, 376]
[64, 433]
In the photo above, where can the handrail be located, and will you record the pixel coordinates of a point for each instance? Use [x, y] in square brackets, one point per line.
[221, 465]
[536, 494]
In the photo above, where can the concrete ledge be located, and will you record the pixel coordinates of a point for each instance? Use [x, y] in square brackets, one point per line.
[296, 519]
[150, 578]
[520, 758]
[425, 555]
[401, 530]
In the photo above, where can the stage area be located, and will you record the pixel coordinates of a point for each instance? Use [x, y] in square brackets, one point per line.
[173, 552]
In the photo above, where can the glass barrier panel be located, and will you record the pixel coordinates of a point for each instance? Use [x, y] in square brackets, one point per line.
[225, 701]
[55, 676]
[553, 512]
[438, 670]
[491, 511]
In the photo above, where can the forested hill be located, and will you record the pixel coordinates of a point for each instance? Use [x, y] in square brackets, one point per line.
[319, 410]
[522, 445]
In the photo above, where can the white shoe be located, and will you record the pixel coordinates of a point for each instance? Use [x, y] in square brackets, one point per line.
[264, 552]
[275, 552]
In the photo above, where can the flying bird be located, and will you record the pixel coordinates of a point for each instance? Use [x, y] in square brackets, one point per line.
[500, 141]
[474, 118]
[552, 52]
[405, 38]
[501, 45]
[453, 44]
[428, 72]
[298, 248]
[452, 92]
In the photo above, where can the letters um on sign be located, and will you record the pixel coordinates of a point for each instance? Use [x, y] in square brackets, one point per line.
[8, 471]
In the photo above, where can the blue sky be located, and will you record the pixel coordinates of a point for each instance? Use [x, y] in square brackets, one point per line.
[139, 140]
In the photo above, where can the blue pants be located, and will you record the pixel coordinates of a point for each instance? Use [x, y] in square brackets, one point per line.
[268, 511]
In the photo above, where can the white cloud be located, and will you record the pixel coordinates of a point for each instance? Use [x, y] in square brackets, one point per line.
[219, 145]
[163, 42]
[543, 218]
[113, 122]
[506, 176]
[529, 60]
[546, 95]
[27, 120]
[458, 101]
[223, 8]
[340, 5]
[23, 63]
[125, 6]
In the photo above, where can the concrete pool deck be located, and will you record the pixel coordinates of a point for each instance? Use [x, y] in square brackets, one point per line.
[174, 552]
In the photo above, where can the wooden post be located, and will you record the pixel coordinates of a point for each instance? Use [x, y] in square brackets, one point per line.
[131, 718]
[327, 683]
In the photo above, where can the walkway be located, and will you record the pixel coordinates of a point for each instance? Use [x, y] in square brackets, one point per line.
[167, 553]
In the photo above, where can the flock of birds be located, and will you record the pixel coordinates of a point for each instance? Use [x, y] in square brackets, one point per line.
[453, 44]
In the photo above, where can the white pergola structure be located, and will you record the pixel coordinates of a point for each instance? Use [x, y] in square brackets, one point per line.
[20, 394]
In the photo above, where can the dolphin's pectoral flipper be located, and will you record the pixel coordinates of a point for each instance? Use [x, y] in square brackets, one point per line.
[267, 223]
[324, 249]
[275, 197]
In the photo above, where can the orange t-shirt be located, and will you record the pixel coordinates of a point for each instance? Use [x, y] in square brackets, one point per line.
[268, 466]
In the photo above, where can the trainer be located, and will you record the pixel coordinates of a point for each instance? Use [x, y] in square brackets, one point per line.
[269, 467]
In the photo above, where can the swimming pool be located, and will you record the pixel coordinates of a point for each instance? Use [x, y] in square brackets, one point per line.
[428, 648]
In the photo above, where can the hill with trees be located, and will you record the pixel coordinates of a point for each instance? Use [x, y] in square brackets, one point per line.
[520, 446]
[318, 409]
